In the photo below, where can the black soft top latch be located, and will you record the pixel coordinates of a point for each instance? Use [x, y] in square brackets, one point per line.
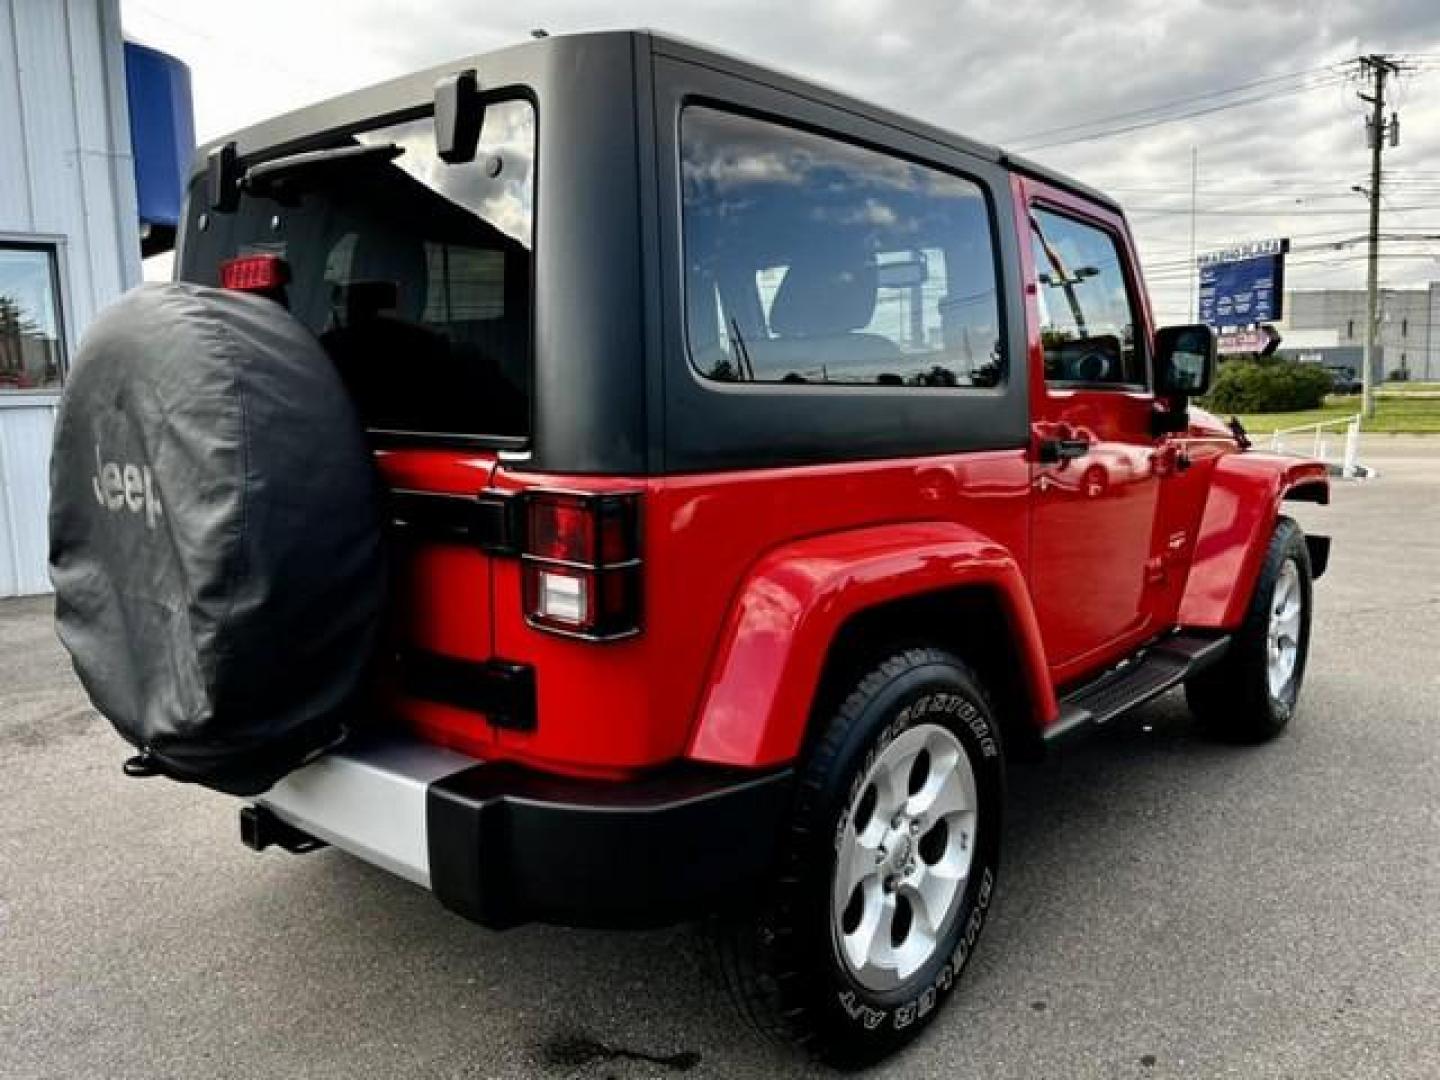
[222, 178]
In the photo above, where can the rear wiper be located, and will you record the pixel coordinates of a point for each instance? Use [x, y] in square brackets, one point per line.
[267, 175]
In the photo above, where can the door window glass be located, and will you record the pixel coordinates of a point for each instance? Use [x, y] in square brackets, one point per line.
[1087, 318]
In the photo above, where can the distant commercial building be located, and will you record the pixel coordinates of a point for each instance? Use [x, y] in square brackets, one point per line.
[1408, 338]
[71, 222]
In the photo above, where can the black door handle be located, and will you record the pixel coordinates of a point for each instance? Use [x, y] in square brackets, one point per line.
[1054, 451]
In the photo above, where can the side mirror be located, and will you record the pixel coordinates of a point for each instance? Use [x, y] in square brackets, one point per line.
[459, 115]
[1184, 361]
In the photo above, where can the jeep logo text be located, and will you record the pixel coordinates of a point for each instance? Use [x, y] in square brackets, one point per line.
[126, 487]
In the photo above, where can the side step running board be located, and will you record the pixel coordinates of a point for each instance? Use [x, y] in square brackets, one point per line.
[1144, 676]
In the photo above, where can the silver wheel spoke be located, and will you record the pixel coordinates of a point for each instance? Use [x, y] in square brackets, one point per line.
[944, 794]
[874, 930]
[1282, 595]
[954, 861]
[890, 785]
[856, 863]
[930, 897]
[914, 949]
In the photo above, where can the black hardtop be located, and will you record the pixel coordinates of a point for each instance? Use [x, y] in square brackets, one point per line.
[612, 393]
[409, 93]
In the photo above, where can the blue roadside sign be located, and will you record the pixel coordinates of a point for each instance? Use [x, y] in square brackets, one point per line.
[1244, 285]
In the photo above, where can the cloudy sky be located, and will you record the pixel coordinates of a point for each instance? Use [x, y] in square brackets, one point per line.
[1274, 123]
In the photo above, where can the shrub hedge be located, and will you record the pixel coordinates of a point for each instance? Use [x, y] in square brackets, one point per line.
[1267, 385]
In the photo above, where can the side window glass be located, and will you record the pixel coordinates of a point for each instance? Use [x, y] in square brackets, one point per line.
[809, 260]
[1087, 317]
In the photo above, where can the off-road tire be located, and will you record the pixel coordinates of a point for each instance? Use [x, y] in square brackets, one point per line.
[1233, 699]
[780, 961]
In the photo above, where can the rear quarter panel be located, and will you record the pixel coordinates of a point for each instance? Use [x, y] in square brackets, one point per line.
[720, 594]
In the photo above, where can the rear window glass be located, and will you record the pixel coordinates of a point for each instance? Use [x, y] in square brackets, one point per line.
[415, 275]
[810, 260]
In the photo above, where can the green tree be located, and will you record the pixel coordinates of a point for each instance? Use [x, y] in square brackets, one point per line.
[15, 326]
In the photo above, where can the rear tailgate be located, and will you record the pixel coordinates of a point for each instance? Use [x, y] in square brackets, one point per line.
[442, 586]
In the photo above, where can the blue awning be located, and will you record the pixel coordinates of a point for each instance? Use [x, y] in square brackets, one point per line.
[162, 138]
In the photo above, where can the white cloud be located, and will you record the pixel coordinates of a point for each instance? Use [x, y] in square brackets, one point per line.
[993, 69]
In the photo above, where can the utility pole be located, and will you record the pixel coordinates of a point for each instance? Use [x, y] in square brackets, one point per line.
[1376, 67]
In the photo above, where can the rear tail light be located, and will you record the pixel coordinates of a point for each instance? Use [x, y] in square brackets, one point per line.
[255, 273]
[582, 563]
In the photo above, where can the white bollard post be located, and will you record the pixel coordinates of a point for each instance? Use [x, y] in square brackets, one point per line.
[1352, 450]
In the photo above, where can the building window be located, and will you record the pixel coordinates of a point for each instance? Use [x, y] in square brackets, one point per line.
[32, 345]
[1350, 328]
[1404, 327]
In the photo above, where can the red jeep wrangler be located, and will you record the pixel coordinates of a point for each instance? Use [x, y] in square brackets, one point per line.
[760, 471]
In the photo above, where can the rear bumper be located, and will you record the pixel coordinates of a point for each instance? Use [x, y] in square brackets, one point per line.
[503, 845]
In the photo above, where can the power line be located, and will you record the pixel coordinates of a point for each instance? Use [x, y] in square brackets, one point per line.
[1328, 240]
[1236, 193]
[1143, 124]
[1331, 249]
[1179, 273]
[1163, 210]
[1178, 278]
[1161, 106]
[1312, 234]
[1315, 245]
[1335, 249]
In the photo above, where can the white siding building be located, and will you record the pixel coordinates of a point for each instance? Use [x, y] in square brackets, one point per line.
[1409, 325]
[69, 240]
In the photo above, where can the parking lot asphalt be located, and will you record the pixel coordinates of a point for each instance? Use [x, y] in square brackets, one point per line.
[1168, 907]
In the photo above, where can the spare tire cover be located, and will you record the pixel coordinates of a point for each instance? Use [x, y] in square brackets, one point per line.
[215, 539]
